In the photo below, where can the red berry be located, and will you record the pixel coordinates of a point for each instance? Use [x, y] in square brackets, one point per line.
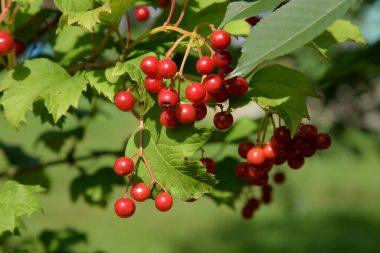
[266, 199]
[205, 65]
[279, 159]
[207, 98]
[6, 42]
[256, 156]
[279, 177]
[185, 114]
[149, 65]
[222, 58]
[239, 87]
[296, 162]
[123, 166]
[244, 147]
[153, 84]
[167, 69]
[253, 20]
[269, 152]
[163, 3]
[163, 202]
[167, 98]
[19, 46]
[308, 131]
[222, 95]
[209, 164]
[125, 101]
[195, 92]
[220, 39]
[223, 72]
[200, 111]
[223, 120]
[213, 84]
[323, 141]
[140, 192]
[282, 135]
[168, 119]
[124, 207]
[241, 170]
[141, 13]
[267, 190]
[247, 212]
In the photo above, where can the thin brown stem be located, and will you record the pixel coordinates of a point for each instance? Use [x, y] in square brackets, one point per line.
[94, 51]
[128, 31]
[90, 65]
[183, 10]
[199, 48]
[172, 8]
[175, 45]
[154, 180]
[185, 57]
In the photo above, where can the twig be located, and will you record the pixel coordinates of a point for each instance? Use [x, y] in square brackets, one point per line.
[182, 13]
[90, 65]
[172, 8]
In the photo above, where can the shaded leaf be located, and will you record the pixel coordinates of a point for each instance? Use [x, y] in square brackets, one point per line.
[98, 82]
[16, 155]
[56, 139]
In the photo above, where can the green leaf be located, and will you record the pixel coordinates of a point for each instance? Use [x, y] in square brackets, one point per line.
[74, 5]
[168, 153]
[118, 9]
[56, 139]
[16, 200]
[98, 82]
[245, 9]
[25, 4]
[237, 27]
[284, 90]
[39, 79]
[287, 29]
[17, 156]
[340, 31]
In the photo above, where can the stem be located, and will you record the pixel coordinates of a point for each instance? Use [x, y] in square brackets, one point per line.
[266, 119]
[94, 51]
[128, 31]
[154, 180]
[122, 44]
[172, 8]
[272, 120]
[90, 65]
[141, 130]
[182, 13]
[128, 185]
[170, 51]
[199, 49]
[185, 57]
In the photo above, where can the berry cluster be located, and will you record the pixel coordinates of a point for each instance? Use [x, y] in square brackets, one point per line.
[125, 207]
[281, 148]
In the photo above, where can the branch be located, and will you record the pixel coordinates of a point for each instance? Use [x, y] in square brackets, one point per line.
[90, 65]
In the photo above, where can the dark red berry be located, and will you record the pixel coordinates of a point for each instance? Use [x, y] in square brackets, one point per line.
[223, 120]
[223, 72]
[266, 199]
[153, 84]
[308, 131]
[253, 20]
[323, 141]
[253, 203]
[163, 202]
[222, 58]
[222, 95]
[167, 69]
[280, 159]
[239, 87]
[124, 207]
[247, 212]
[141, 13]
[279, 177]
[163, 3]
[200, 111]
[195, 93]
[205, 65]
[241, 170]
[6, 42]
[220, 39]
[19, 46]
[185, 114]
[266, 189]
[207, 98]
[209, 164]
[167, 98]
[140, 192]
[125, 101]
[244, 147]
[149, 65]
[168, 119]
[213, 84]
[282, 135]
[123, 166]
[296, 162]
[256, 156]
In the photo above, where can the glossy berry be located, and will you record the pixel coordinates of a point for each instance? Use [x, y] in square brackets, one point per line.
[222, 95]
[269, 152]
[185, 114]
[239, 87]
[168, 119]
[244, 147]
[209, 164]
[223, 72]
[167, 98]
[247, 212]
[282, 135]
[167, 69]
[207, 98]
[213, 84]
[124, 207]
[308, 131]
[279, 177]
[253, 20]
[223, 120]
[222, 58]
[125, 101]
[140, 192]
[141, 13]
[149, 65]
[323, 141]
[195, 92]
[123, 166]
[163, 3]
[256, 156]
[19, 46]
[200, 111]
[296, 162]
[6, 42]
[163, 202]
[241, 170]
[153, 84]
[205, 65]
[220, 39]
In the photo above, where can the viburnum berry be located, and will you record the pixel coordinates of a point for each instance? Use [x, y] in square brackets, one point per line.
[168, 119]
[253, 20]
[185, 114]
[247, 212]
[213, 84]
[168, 98]
[220, 39]
[19, 47]
[125, 101]
[279, 177]
[167, 69]
[223, 120]
[6, 42]
[149, 65]
[124, 207]
[140, 192]
[222, 95]
[323, 141]
[163, 3]
[256, 156]
[244, 147]
[269, 152]
[296, 162]
[308, 131]
[239, 87]
[163, 201]
[141, 13]
[282, 135]
[209, 164]
[205, 65]
[153, 84]
[200, 111]
[241, 170]
[223, 72]
[195, 92]
[222, 58]
[123, 166]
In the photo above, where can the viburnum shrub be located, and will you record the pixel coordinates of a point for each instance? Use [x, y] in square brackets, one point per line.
[182, 74]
